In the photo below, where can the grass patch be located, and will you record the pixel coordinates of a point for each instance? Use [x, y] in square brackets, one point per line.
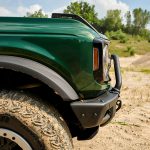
[124, 124]
[131, 51]
[120, 123]
[134, 69]
[138, 46]
[147, 71]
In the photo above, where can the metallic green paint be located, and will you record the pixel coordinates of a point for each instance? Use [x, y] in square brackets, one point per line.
[65, 45]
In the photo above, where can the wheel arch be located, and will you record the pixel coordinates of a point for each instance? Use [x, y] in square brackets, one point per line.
[42, 73]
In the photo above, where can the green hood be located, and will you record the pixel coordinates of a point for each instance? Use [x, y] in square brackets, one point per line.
[46, 26]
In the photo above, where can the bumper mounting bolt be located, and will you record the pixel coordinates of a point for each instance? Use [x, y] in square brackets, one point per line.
[83, 115]
[95, 114]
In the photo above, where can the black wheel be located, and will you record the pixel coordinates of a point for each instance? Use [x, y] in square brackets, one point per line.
[28, 124]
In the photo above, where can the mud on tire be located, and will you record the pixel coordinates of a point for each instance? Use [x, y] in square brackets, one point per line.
[43, 121]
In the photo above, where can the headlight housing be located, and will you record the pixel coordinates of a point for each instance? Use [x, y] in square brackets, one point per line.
[106, 63]
[101, 60]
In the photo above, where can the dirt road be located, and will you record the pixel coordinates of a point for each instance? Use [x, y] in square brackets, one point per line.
[130, 129]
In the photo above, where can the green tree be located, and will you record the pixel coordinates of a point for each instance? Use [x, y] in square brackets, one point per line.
[112, 21]
[146, 18]
[128, 26]
[84, 10]
[37, 14]
[141, 19]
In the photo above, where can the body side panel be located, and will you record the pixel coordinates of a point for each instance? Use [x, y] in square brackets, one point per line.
[64, 45]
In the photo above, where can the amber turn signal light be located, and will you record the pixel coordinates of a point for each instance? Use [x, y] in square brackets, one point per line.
[95, 59]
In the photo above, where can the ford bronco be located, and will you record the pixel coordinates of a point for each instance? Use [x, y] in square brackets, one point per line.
[54, 82]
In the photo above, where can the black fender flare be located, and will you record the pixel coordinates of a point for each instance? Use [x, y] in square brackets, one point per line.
[40, 72]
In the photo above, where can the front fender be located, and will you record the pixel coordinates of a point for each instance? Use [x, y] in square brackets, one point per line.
[40, 72]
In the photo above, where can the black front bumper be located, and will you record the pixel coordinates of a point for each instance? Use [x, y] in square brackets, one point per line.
[100, 110]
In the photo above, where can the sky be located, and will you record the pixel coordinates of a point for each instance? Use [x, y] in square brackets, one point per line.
[20, 7]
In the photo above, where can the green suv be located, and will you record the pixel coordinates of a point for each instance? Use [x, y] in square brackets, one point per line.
[54, 82]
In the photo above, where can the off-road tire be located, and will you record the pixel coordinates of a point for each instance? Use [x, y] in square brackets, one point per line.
[40, 119]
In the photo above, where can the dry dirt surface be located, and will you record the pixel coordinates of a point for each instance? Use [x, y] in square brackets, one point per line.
[130, 128]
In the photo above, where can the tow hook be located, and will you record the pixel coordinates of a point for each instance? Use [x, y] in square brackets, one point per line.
[119, 104]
